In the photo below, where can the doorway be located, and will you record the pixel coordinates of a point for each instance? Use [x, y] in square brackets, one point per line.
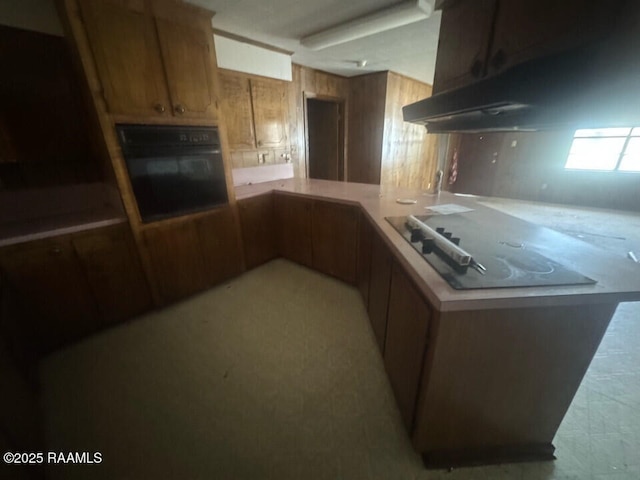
[325, 138]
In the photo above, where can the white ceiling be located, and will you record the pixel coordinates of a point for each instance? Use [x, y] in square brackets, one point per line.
[409, 50]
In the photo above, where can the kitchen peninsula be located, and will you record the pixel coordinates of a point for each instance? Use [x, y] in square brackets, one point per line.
[480, 376]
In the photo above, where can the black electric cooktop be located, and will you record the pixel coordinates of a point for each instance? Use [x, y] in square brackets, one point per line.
[507, 263]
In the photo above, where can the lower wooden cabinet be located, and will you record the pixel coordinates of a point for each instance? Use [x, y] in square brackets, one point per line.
[258, 235]
[319, 234]
[406, 341]
[293, 228]
[72, 285]
[57, 297]
[380, 282]
[112, 267]
[363, 267]
[192, 255]
[334, 228]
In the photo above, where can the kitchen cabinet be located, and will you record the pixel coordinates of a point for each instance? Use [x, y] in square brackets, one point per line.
[237, 108]
[153, 59]
[255, 111]
[72, 285]
[363, 269]
[176, 260]
[258, 235]
[114, 273]
[334, 230]
[380, 282]
[219, 237]
[318, 234]
[463, 44]
[270, 112]
[293, 228]
[406, 342]
[50, 278]
[191, 255]
[480, 38]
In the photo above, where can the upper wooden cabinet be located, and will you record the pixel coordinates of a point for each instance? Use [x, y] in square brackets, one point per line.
[255, 110]
[465, 30]
[153, 58]
[479, 38]
[270, 112]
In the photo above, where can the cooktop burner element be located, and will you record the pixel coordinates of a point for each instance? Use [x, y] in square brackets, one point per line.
[494, 262]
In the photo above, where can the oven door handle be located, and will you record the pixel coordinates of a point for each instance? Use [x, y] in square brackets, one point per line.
[170, 151]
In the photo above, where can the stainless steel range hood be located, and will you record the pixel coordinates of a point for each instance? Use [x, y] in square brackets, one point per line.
[595, 86]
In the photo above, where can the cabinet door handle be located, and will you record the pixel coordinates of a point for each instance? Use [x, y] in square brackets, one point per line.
[476, 69]
[158, 107]
[499, 59]
[56, 250]
[179, 109]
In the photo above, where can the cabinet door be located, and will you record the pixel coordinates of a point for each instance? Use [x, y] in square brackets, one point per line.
[188, 55]
[293, 227]
[465, 32]
[526, 30]
[334, 233]
[177, 260]
[125, 47]
[50, 279]
[379, 288]
[237, 110]
[270, 112]
[363, 269]
[220, 245]
[258, 233]
[114, 272]
[405, 345]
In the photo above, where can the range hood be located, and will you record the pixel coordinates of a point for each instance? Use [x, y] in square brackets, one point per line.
[589, 87]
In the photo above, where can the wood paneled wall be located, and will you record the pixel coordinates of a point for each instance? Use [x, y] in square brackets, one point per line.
[383, 148]
[530, 166]
[367, 98]
[409, 153]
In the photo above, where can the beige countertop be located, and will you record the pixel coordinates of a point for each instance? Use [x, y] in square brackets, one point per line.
[41, 213]
[618, 280]
[36, 229]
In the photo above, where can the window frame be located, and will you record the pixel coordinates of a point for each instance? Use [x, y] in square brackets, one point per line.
[633, 132]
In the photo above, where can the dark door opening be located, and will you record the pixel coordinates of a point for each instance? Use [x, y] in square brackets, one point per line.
[325, 139]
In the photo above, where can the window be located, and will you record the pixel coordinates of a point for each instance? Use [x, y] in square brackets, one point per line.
[605, 149]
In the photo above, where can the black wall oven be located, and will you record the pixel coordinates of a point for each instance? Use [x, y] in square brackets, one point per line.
[174, 170]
